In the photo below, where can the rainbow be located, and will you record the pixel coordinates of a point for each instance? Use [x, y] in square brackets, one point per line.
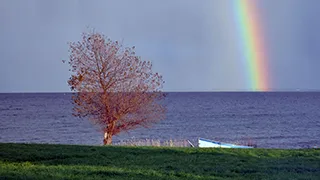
[252, 44]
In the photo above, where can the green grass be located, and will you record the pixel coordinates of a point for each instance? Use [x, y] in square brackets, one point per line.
[35, 161]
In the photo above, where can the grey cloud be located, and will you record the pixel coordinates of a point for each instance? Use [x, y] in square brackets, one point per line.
[192, 43]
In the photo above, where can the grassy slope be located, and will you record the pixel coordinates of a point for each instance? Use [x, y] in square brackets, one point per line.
[34, 161]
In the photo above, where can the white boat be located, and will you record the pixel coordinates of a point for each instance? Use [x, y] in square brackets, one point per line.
[206, 143]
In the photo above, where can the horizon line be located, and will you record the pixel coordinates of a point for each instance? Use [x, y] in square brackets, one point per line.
[183, 91]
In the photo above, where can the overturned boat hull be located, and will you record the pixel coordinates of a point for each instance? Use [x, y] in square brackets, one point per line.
[206, 143]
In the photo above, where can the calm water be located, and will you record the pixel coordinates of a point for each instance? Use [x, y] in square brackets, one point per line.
[271, 120]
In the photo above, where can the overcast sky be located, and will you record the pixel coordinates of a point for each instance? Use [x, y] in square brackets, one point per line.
[191, 43]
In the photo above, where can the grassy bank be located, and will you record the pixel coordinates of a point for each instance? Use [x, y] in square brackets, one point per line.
[34, 161]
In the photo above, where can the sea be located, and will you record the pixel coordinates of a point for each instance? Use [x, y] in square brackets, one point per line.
[268, 119]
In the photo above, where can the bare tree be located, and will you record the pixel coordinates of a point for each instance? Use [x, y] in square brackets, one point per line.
[113, 87]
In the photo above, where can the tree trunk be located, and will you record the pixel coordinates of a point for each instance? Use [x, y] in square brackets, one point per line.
[107, 138]
[109, 133]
